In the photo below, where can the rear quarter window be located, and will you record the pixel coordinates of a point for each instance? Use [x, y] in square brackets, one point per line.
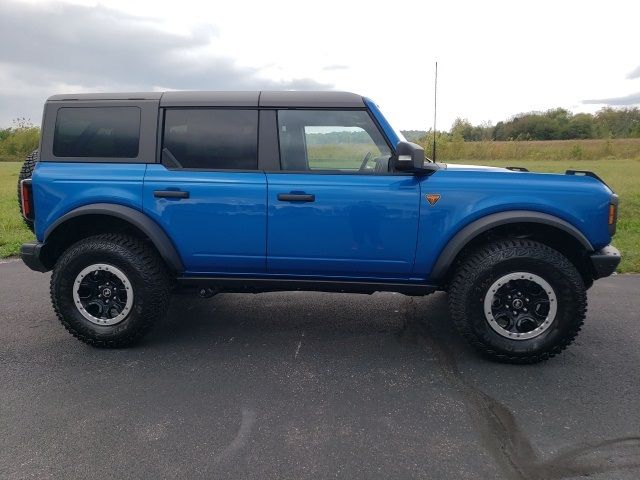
[98, 132]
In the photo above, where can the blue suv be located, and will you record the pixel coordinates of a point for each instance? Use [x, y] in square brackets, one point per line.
[134, 196]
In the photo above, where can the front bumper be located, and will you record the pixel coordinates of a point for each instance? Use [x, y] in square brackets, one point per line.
[31, 254]
[605, 261]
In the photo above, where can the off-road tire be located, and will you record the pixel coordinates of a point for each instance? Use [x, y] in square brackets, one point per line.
[484, 266]
[145, 271]
[25, 172]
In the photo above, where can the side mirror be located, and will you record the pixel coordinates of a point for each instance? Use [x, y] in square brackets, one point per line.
[409, 157]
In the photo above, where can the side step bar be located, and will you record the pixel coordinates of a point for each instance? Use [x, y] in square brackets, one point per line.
[257, 285]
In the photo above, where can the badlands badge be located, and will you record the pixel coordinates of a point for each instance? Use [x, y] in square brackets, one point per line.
[432, 198]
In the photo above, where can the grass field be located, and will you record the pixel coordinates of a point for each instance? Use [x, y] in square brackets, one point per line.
[558, 150]
[13, 231]
[622, 175]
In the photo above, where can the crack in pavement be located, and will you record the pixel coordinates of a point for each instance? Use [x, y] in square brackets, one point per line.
[499, 431]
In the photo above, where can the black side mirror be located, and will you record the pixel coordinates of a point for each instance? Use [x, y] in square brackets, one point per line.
[410, 157]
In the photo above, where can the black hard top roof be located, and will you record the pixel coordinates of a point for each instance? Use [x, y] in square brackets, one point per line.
[266, 98]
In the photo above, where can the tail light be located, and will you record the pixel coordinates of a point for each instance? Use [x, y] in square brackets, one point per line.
[26, 195]
[613, 214]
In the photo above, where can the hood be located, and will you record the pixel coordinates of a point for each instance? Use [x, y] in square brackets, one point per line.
[472, 168]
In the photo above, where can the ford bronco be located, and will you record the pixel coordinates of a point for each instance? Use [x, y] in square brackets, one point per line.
[134, 196]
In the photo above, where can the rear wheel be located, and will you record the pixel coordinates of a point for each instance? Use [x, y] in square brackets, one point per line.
[109, 290]
[25, 172]
[518, 301]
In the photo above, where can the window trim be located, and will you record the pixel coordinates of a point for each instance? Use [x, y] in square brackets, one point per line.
[160, 140]
[146, 143]
[392, 149]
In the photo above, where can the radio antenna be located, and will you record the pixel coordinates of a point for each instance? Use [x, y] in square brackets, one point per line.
[435, 107]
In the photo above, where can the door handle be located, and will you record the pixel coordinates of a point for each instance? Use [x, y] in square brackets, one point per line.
[296, 197]
[170, 194]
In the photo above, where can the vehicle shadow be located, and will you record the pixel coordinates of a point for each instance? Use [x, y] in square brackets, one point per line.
[327, 318]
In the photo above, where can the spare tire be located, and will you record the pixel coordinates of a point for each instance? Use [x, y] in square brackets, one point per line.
[25, 172]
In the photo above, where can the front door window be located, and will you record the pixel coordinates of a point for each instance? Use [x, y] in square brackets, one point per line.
[337, 141]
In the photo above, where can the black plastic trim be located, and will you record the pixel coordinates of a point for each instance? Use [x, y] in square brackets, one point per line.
[151, 229]
[246, 284]
[468, 233]
[30, 254]
[268, 148]
[605, 261]
[296, 197]
[170, 194]
[588, 173]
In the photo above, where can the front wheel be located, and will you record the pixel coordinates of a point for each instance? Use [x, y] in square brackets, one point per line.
[518, 301]
[109, 290]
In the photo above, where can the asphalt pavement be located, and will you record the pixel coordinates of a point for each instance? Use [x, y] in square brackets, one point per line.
[313, 385]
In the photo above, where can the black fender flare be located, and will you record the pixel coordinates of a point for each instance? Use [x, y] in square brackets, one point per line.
[142, 222]
[472, 230]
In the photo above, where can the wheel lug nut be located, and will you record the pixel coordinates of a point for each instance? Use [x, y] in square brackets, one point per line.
[525, 309]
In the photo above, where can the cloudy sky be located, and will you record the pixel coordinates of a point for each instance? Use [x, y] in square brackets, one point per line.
[496, 58]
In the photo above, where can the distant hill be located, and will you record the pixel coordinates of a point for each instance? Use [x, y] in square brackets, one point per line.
[413, 135]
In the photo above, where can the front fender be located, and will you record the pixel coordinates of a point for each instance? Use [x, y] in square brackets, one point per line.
[475, 228]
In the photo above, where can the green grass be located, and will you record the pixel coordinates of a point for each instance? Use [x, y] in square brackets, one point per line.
[13, 231]
[537, 150]
[338, 157]
[622, 175]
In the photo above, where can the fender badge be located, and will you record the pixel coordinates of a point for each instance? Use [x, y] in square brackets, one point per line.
[432, 198]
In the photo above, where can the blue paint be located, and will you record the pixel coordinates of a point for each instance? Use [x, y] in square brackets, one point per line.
[60, 187]
[391, 133]
[360, 226]
[221, 227]
[470, 193]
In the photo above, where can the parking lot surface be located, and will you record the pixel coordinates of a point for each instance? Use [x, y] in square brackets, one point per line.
[313, 385]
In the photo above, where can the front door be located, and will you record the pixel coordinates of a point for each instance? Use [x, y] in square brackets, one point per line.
[335, 209]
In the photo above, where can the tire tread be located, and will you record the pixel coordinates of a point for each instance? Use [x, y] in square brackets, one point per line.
[483, 258]
[152, 270]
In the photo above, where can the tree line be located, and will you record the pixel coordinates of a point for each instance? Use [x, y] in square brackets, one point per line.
[19, 140]
[555, 124]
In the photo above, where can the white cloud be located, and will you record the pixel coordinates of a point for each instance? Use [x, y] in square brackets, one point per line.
[496, 58]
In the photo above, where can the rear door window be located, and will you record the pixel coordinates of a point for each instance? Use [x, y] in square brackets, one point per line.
[212, 139]
[98, 132]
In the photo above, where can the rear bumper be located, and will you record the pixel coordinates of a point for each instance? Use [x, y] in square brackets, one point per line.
[605, 261]
[31, 254]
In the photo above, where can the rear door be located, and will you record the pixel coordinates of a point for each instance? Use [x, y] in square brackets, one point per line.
[207, 192]
[335, 209]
